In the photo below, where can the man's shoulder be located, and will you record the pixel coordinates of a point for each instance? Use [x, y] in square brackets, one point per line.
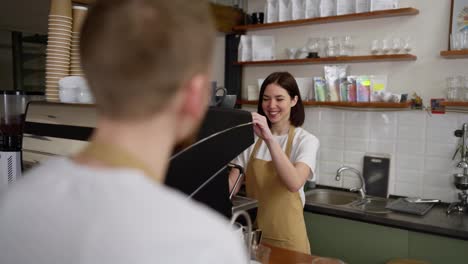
[126, 205]
[130, 190]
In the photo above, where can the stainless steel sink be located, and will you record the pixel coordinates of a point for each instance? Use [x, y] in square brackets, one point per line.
[331, 197]
[343, 199]
[372, 205]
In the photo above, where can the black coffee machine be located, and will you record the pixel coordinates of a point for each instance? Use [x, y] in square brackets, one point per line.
[200, 170]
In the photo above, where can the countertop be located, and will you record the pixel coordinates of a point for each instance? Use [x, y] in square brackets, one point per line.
[436, 221]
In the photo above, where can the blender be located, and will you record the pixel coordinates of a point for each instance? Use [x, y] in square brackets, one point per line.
[12, 109]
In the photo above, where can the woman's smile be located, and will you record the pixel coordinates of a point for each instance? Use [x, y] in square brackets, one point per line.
[277, 103]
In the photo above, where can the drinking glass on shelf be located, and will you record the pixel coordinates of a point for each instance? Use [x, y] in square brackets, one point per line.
[331, 47]
[465, 39]
[291, 53]
[313, 45]
[375, 47]
[463, 89]
[331, 51]
[349, 45]
[342, 50]
[386, 46]
[452, 94]
[407, 45]
[322, 47]
[396, 45]
[455, 42]
[454, 90]
[464, 94]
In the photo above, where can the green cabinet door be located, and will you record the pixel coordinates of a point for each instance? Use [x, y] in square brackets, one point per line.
[361, 243]
[355, 242]
[437, 249]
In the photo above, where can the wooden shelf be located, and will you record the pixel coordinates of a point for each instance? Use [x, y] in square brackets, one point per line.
[455, 104]
[454, 54]
[345, 59]
[226, 17]
[409, 11]
[344, 104]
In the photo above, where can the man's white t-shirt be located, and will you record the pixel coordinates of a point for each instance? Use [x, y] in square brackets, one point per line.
[62, 212]
[304, 149]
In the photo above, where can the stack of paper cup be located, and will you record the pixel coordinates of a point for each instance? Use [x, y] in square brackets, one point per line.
[58, 46]
[79, 14]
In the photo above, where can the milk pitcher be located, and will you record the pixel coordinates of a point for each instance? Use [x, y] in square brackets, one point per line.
[216, 100]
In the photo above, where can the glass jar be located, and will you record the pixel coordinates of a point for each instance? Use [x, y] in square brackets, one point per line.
[452, 94]
[332, 47]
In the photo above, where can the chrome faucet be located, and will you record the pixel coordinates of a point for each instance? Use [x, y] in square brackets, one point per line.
[362, 189]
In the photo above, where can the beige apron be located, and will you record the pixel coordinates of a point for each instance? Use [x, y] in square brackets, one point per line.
[115, 156]
[280, 212]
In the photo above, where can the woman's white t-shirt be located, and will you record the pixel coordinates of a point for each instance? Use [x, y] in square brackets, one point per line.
[304, 149]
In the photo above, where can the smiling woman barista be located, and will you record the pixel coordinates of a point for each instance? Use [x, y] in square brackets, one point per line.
[279, 163]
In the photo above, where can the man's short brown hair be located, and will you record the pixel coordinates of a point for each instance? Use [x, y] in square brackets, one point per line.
[137, 53]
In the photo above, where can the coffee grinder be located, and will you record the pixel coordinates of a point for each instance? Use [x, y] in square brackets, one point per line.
[461, 179]
[12, 109]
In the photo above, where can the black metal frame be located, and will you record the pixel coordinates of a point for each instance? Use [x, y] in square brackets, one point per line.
[232, 72]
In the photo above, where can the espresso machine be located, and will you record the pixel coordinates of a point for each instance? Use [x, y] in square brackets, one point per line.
[461, 179]
[12, 108]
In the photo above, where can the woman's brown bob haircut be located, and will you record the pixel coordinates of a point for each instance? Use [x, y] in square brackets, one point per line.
[136, 54]
[286, 81]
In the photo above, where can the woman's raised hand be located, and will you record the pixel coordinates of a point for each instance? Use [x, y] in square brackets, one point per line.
[261, 128]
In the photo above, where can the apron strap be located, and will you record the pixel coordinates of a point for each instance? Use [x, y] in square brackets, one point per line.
[255, 150]
[290, 141]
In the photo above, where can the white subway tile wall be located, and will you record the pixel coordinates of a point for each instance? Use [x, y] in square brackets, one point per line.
[421, 148]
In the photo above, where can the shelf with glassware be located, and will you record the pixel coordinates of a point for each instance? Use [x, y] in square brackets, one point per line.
[408, 11]
[342, 59]
[344, 104]
[454, 54]
[454, 104]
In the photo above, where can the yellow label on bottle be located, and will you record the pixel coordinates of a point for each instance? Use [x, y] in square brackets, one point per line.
[378, 87]
[366, 83]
